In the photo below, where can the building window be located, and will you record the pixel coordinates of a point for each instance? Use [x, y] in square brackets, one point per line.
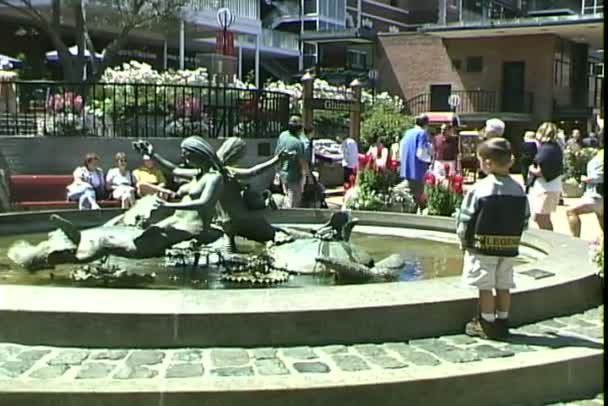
[562, 66]
[357, 59]
[474, 64]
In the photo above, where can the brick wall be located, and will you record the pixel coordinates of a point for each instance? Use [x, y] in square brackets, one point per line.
[410, 62]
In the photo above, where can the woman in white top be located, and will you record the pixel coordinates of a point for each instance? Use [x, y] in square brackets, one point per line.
[120, 182]
[88, 185]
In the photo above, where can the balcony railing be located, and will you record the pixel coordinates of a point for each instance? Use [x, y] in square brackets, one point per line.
[239, 8]
[592, 6]
[474, 101]
[280, 39]
[273, 39]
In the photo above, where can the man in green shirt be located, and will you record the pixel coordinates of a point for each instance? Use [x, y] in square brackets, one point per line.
[292, 171]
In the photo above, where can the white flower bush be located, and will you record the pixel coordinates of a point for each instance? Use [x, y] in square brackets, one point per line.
[171, 90]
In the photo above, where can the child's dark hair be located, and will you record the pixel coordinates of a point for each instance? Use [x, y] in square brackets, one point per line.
[497, 150]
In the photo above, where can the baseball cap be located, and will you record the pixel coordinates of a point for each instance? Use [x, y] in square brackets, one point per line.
[146, 157]
[295, 120]
[495, 126]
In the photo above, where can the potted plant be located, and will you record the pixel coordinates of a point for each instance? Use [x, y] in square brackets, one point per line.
[575, 166]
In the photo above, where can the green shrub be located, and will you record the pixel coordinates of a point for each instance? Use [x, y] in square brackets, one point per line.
[384, 122]
[575, 162]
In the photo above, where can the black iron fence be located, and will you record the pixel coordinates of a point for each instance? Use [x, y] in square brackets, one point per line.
[476, 101]
[141, 110]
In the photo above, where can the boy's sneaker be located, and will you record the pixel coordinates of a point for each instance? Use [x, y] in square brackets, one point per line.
[502, 328]
[478, 327]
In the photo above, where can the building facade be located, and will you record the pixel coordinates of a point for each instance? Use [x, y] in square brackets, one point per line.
[524, 61]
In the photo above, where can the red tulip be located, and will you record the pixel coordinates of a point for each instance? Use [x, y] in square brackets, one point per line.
[429, 178]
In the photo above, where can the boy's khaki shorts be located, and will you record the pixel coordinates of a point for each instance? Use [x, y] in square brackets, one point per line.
[486, 272]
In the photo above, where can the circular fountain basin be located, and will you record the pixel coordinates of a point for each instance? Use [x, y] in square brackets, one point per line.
[558, 280]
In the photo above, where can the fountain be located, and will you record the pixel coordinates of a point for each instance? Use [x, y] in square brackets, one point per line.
[322, 336]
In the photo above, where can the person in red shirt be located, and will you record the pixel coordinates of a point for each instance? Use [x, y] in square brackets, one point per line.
[445, 151]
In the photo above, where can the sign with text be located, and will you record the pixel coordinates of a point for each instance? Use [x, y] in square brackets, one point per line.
[334, 105]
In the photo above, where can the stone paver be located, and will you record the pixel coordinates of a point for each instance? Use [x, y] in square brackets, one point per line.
[229, 357]
[38, 363]
[184, 370]
[95, 370]
[271, 366]
[299, 353]
[233, 371]
[188, 356]
[145, 357]
[137, 372]
[111, 355]
[350, 363]
[311, 367]
[69, 357]
[49, 371]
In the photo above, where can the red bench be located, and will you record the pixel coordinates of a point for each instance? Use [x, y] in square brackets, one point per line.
[45, 191]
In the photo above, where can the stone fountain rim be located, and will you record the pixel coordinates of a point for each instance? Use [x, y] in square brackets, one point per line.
[564, 259]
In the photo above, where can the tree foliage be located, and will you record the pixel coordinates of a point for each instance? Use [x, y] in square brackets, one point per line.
[382, 121]
[125, 16]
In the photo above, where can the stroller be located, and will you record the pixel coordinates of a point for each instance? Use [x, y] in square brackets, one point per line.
[313, 196]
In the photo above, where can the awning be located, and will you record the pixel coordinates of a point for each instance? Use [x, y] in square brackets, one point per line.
[7, 62]
[53, 56]
[440, 117]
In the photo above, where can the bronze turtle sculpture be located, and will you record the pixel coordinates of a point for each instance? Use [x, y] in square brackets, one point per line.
[328, 249]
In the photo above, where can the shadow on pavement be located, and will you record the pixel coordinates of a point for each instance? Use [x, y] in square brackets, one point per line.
[552, 340]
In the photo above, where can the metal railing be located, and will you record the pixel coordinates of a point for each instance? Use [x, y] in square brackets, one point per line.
[474, 101]
[240, 8]
[592, 6]
[144, 110]
[280, 39]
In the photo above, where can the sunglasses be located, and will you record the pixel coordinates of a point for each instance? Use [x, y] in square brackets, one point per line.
[121, 160]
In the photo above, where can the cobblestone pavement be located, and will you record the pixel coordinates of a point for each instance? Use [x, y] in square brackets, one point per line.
[31, 363]
[596, 401]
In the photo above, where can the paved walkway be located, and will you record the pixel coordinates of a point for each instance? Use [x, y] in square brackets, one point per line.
[590, 229]
[21, 364]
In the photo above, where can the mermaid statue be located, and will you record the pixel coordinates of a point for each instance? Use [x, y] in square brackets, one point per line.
[213, 190]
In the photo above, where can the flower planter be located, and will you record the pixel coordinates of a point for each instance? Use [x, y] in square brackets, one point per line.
[572, 189]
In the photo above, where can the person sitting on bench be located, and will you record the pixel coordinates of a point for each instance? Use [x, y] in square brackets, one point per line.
[150, 179]
[88, 185]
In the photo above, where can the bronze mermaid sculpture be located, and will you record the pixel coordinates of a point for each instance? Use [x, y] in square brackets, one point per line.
[213, 189]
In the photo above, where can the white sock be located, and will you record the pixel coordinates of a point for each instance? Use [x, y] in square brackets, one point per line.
[502, 315]
[489, 317]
